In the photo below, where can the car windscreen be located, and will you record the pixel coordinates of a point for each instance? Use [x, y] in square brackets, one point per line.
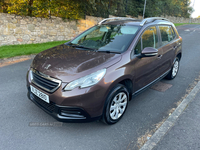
[112, 38]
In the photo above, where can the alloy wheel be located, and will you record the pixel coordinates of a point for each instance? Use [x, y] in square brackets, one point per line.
[175, 68]
[118, 106]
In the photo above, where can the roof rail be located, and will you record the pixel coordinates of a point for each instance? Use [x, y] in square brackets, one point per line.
[116, 18]
[152, 19]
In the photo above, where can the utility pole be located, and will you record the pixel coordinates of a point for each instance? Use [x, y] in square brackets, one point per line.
[126, 6]
[109, 9]
[144, 8]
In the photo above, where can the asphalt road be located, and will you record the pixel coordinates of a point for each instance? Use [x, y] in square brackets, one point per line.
[143, 114]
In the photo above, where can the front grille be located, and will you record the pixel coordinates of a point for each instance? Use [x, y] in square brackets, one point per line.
[45, 82]
[50, 107]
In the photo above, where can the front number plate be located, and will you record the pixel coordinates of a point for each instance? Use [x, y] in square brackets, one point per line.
[40, 94]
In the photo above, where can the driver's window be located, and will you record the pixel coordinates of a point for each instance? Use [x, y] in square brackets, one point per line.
[149, 38]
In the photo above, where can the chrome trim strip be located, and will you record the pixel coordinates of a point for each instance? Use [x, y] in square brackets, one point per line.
[46, 77]
[151, 54]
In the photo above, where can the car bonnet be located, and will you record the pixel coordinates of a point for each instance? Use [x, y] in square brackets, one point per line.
[67, 63]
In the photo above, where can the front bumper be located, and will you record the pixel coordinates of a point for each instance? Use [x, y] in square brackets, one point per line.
[62, 113]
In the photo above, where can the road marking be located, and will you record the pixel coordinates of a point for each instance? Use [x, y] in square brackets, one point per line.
[187, 30]
[168, 124]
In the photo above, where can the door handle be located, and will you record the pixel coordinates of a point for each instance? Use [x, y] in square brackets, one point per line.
[175, 47]
[159, 56]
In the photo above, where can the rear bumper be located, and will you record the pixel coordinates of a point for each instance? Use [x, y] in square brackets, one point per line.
[62, 113]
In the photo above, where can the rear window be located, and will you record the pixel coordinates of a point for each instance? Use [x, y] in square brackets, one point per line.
[167, 34]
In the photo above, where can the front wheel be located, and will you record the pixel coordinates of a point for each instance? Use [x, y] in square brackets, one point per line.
[174, 70]
[116, 104]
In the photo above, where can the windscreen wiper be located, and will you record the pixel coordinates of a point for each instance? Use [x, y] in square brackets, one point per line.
[80, 46]
[110, 52]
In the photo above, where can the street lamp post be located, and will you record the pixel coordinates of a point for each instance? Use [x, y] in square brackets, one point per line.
[144, 8]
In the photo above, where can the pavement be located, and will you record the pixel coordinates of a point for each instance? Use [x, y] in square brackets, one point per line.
[182, 129]
[16, 59]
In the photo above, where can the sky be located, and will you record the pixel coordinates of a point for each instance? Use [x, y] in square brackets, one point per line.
[196, 7]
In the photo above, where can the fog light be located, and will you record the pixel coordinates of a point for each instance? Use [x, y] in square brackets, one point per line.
[72, 114]
[31, 96]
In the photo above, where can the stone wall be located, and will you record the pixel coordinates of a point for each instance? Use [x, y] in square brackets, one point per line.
[21, 30]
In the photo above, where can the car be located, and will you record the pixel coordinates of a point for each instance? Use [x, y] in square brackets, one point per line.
[96, 74]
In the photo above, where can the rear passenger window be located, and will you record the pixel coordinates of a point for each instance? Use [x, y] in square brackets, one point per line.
[149, 38]
[173, 33]
[166, 34]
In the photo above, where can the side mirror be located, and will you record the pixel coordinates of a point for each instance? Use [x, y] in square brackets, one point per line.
[149, 51]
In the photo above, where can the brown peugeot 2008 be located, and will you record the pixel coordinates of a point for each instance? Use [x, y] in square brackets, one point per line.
[96, 74]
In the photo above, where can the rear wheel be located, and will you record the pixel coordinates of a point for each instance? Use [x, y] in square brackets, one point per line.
[174, 71]
[116, 105]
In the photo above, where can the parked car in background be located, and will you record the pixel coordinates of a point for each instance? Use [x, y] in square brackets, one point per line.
[95, 75]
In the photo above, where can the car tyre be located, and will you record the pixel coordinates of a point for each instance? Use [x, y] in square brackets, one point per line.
[116, 104]
[174, 70]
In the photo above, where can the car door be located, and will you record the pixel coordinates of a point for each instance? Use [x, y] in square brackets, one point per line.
[168, 46]
[146, 69]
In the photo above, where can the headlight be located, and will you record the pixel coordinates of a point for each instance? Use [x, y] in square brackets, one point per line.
[30, 76]
[86, 81]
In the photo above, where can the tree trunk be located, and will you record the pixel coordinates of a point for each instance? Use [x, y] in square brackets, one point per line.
[30, 3]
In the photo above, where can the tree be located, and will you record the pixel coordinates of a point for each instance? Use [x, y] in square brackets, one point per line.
[20, 7]
[4, 5]
[40, 8]
[76, 9]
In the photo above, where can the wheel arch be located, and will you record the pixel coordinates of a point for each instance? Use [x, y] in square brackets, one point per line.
[179, 55]
[129, 86]
[124, 80]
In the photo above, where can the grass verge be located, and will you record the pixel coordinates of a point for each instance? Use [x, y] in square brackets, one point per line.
[180, 24]
[26, 49]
